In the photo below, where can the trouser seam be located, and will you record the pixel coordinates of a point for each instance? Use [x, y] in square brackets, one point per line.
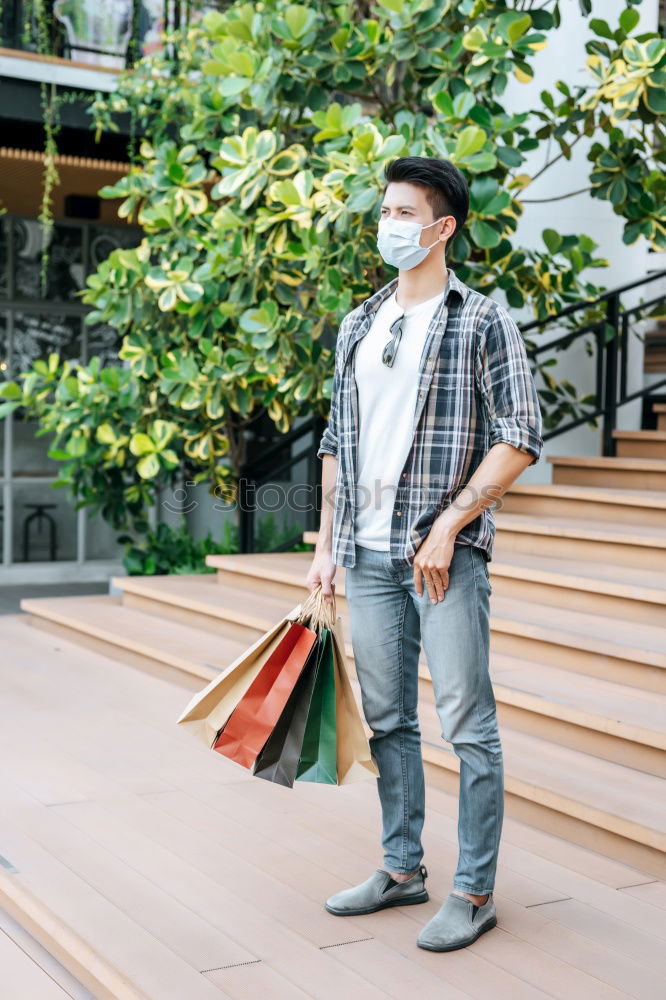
[403, 749]
[494, 758]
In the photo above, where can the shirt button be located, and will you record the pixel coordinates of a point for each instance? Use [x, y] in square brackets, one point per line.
[404, 475]
[398, 513]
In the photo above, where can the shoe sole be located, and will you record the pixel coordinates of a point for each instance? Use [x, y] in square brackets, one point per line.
[421, 898]
[460, 944]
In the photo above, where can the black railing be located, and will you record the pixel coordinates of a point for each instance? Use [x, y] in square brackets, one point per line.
[259, 471]
[611, 335]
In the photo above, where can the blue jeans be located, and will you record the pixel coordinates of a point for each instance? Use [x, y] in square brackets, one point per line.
[388, 622]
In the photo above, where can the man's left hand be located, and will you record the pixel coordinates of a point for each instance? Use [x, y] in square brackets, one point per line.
[432, 561]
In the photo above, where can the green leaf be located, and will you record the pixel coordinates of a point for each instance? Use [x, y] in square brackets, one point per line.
[518, 28]
[629, 18]
[463, 104]
[162, 431]
[443, 103]
[167, 299]
[552, 239]
[601, 28]
[397, 6]
[617, 193]
[470, 141]
[141, 444]
[484, 235]
[230, 86]
[148, 466]
[105, 434]
[298, 20]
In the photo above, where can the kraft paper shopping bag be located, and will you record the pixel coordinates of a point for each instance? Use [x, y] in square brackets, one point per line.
[354, 759]
[209, 710]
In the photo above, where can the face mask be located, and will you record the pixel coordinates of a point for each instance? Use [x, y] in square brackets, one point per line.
[398, 242]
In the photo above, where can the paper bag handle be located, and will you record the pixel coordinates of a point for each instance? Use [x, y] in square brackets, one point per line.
[322, 613]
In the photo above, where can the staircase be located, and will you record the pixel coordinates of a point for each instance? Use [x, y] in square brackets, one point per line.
[578, 644]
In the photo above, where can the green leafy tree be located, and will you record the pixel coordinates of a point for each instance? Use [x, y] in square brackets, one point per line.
[266, 129]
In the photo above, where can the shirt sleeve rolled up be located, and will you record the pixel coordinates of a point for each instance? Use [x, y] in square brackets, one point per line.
[505, 381]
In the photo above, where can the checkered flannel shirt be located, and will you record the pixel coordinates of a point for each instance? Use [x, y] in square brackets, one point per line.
[475, 389]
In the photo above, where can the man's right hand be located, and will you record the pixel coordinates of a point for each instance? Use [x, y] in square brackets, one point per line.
[322, 572]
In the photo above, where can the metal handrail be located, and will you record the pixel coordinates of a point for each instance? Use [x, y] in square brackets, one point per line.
[610, 389]
[586, 303]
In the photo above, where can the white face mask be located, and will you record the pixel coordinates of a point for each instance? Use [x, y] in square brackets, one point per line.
[398, 242]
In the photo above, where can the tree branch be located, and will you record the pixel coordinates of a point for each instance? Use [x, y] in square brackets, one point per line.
[557, 197]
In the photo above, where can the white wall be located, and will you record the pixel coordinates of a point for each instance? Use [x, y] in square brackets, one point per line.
[564, 59]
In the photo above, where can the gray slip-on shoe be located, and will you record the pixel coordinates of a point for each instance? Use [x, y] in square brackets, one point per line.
[378, 892]
[457, 923]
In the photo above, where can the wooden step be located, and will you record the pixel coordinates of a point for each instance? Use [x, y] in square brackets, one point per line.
[205, 600]
[568, 915]
[590, 504]
[102, 946]
[171, 650]
[608, 733]
[611, 721]
[640, 444]
[660, 410]
[29, 971]
[613, 589]
[582, 797]
[615, 735]
[636, 473]
[582, 541]
[196, 655]
[643, 508]
[581, 642]
[524, 628]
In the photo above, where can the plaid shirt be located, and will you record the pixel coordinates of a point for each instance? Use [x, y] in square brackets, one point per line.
[475, 389]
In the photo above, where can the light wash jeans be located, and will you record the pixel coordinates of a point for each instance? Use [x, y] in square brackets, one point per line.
[388, 622]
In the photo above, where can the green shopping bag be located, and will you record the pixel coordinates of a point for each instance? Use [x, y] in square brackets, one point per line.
[317, 761]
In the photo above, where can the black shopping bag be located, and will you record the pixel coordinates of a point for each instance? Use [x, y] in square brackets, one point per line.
[278, 760]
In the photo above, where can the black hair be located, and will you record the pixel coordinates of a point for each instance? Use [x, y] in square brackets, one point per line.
[446, 188]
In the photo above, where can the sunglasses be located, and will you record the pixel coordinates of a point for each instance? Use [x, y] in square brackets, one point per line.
[391, 349]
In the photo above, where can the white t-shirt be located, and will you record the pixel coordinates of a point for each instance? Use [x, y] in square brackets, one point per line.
[387, 402]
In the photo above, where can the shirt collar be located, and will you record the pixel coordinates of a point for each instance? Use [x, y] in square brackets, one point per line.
[454, 284]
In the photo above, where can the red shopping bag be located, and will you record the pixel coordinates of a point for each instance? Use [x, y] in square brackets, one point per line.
[251, 723]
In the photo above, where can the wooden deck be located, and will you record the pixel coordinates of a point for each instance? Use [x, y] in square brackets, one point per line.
[147, 866]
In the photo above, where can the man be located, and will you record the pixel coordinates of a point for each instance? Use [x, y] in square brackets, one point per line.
[434, 414]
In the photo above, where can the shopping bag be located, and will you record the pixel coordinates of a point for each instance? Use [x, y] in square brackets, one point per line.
[354, 760]
[209, 710]
[318, 754]
[252, 721]
[278, 761]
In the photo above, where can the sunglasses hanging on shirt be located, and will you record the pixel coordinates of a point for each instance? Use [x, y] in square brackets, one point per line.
[391, 348]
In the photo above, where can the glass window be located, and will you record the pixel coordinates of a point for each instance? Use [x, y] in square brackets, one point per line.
[4, 231]
[104, 342]
[65, 274]
[104, 239]
[44, 523]
[36, 335]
